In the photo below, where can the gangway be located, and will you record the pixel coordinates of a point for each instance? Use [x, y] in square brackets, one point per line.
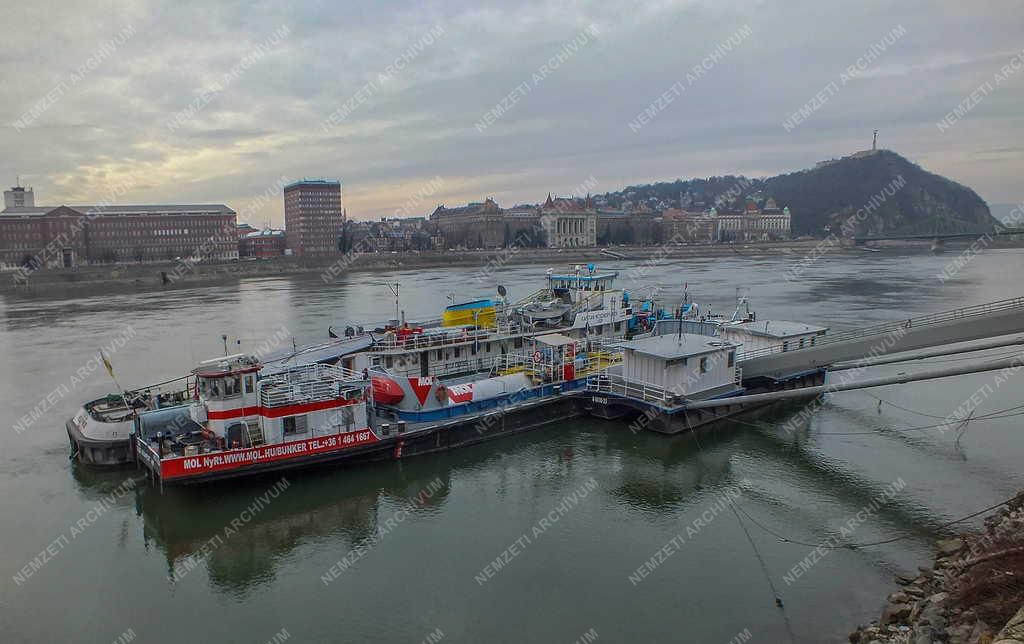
[998, 318]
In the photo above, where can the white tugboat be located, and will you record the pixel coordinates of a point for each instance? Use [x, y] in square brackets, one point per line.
[244, 421]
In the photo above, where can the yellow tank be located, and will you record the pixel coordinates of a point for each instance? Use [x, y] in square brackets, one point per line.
[477, 312]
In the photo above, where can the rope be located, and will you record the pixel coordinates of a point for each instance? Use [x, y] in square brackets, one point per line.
[753, 546]
[854, 546]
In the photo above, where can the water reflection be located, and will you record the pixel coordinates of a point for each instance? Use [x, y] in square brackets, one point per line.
[242, 544]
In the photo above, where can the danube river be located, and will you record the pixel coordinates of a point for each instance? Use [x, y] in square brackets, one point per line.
[578, 530]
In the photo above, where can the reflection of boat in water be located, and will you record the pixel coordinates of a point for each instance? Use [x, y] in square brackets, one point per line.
[194, 532]
[192, 528]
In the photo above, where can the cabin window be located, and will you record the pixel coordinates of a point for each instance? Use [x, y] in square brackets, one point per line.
[785, 346]
[249, 384]
[472, 349]
[812, 341]
[458, 352]
[487, 347]
[732, 358]
[376, 361]
[618, 326]
[389, 361]
[518, 343]
[704, 365]
[294, 425]
[440, 354]
[801, 343]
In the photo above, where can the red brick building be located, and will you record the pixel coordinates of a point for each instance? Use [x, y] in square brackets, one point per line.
[262, 244]
[65, 236]
[313, 218]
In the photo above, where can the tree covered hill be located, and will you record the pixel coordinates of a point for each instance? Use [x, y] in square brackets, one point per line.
[905, 198]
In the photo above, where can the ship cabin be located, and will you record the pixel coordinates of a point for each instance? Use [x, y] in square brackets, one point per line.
[665, 368]
[579, 286]
[226, 387]
[242, 416]
[764, 337]
[467, 349]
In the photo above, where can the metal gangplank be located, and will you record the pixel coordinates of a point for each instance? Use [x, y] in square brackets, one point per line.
[1002, 317]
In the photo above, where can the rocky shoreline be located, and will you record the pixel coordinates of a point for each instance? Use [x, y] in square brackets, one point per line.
[972, 594]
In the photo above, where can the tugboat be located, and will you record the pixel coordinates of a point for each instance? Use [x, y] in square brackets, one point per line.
[244, 422]
[100, 432]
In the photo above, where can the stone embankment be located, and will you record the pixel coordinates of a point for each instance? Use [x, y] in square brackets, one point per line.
[972, 594]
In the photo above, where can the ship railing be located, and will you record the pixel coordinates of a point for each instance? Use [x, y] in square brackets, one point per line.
[531, 297]
[610, 383]
[595, 361]
[184, 383]
[309, 383]
[426, 341]
[276, 394]
[977, 310]
[315, 372]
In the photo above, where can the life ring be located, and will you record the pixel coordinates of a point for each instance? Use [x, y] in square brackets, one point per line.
[441, 394]
[537, 356]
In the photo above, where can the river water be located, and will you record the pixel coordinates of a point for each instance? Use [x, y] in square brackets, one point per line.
[571, 531]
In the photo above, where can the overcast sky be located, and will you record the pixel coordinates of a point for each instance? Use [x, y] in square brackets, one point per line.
[191, 102]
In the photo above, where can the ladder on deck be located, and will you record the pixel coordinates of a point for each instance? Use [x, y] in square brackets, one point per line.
[255, 434]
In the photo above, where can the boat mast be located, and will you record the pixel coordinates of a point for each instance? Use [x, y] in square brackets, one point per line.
[394, 286]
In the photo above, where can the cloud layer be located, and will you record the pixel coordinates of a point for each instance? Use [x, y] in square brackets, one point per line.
[217, 103]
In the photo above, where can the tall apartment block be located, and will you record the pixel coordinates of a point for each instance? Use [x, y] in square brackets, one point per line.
[313, 217]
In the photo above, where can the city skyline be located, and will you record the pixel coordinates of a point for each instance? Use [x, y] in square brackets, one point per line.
[435, 104]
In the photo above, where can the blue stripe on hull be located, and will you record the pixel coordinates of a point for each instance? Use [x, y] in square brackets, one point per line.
[481, 406]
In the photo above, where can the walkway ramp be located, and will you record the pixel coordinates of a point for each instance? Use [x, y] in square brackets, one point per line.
[959, 325]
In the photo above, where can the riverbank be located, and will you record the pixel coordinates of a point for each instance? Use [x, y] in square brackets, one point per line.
[168, 275]
[972, 594]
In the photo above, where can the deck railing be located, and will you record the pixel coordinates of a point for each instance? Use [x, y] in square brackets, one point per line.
[615, 384]
[309, 383]
[596, 361]
[436, 340]
[977, 310]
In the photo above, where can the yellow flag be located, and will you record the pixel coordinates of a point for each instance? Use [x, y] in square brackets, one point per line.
[106, 363]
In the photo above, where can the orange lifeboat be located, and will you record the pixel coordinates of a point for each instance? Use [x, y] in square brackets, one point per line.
[386, 391]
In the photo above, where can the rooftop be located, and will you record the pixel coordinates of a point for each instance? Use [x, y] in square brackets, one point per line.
[671, 347]
[313, 181]
[160, 209]
[776, 328]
